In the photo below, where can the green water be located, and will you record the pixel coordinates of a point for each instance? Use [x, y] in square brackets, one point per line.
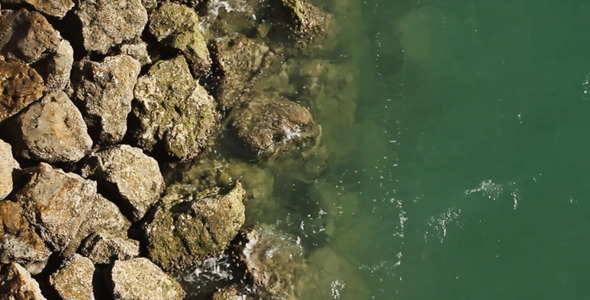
[472, 169]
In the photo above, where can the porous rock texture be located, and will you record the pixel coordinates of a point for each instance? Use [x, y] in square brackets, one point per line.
[51, 130]
[139, 278]
[16, 283]
[55, 8]
[189, 225]
[173, 112]
[56, 70]
[106, 23]
[105, 91]
[73, 279]
[129, 174]
[102, 249]
[7, 166]
[20, 85]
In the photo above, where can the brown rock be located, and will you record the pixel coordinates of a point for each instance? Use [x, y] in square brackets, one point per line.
[139, 278]
[138, 50]
[19, 242]
[20, 85]
[7, 166]
[105, 90]
[58, 67]
[231, 292]
[17, 284]
[51, 130]
[26, 36]
[106, 23]
[56, 8]
[130, 174]
[73, 279]
[56, 203]
[102, 249]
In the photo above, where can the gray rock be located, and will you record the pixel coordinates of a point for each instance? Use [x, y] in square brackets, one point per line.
[58, 68]
[56, 203]
[188, 225]
[105, 91]
[138, 50]
[130, 174]
[177, 26]
[267, 126]
[73, 279]
[51, 130]
[16, 283]
[240, 61]
[19, 242]
[173, 111]
[26, 36]
[56, 8]
[139, 278]
[102, 249]
[20, 85]
[106, 23]
[7, 166]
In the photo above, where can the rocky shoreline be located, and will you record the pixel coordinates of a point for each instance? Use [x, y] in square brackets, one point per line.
[135, 135]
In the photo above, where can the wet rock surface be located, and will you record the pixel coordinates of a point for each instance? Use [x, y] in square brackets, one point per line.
[20, 85]
[55, 8]
[126, 172]
[73, 279]
[231, 293]
[173, 112]
[16, 283]
[106, 23]
[141, 279]
[105, 91]
[102, 249]
[189, 225]
[7, 167]
[51, 130]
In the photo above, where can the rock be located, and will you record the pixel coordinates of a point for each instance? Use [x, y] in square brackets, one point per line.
[173, 111]
[188, 226]
[177, 26]
[105, 91]
[17, 284]
[305, 18]
[137, 50]
[240, 60]
[231, 17]
[129, 174]
[26, 36]
[102, 249]
[19, 242]
[20, 85]
[58, 67]
[141, 279]
[267, 126]
[7, 166]
[106, 23]
[231, 292]
[51, 130]
[73, 279]
[273, 262]
[55, 8]
[56, 203]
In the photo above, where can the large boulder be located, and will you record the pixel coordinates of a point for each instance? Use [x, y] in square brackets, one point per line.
[55, 8]
[189, 226]
[141, 279]
[19, 242]
[20, 85]
[73, 279]
[173, 112]
[26, 36]
[103, 249]
[51, 130]
[126, 172]
[17, 284]
[177, 26]
[106, 23]
[105, 91]
[7, 166]
[56, 204]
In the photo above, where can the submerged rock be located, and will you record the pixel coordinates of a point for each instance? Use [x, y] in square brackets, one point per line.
[129, 174]
[102, 249]
[55, 8]
[177, 26]
[19, 243]
[56, 203]
[106, 23]
[305, 17]
[173, 111]
[20, 85]
[140, 279]
[17, 284]
[73, 279]
[51, 130]
[7, 166]
[105, 91]
[189, 226]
